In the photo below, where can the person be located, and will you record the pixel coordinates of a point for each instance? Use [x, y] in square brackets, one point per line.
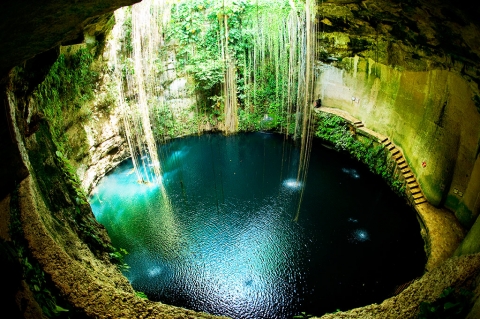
[317, 103]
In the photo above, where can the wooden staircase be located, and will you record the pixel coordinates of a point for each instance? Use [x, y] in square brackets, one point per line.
[414, 193]
[358, 124]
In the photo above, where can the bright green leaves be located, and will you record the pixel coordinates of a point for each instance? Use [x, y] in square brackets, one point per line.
[335, 130]
[117, 257]
[61, 97]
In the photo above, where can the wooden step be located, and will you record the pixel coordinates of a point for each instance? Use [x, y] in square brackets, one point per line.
[406, 170]
[395, 151]
[357, 122]
[391, 147]
[359, 125]
[397, 156]
[417, 195]
[410, 180]
[408, 175]
[385, 140]
[420, 201]
[402, 166]
[411, 186]
[400, 161]
[415, 191]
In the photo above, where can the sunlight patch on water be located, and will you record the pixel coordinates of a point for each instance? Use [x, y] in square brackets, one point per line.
[359, 235]
[292, 183]
[154, 271]
[176, 156]
[351, 172]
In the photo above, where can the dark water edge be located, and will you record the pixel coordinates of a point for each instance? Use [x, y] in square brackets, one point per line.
[223, 239]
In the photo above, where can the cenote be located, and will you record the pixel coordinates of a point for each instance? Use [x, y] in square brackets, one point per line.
[220, 235]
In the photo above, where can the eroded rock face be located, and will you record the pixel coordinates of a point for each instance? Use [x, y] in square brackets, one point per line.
[415, 35]
[28, 28]
[105, 136]
[107, 148]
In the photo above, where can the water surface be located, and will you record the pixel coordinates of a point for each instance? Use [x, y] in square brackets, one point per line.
[221, 237]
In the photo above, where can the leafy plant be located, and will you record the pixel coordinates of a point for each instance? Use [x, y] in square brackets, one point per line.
[141, 294]
[335, 130]
[302, 315]
[63, 95]
[256, 47]
[118, 257]
[449, 305]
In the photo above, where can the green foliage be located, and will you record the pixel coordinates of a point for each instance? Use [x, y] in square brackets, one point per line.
[450, 304]
[37, 283]
[118, 257]
[72, 178]
[141, 295]
[199, 27]
[127, 27]
[206, 37]
[335, 130]
[169, 125]
[63, 95]
[302, 315]
[63, 98]
[249, 121]
[207, 73]
[265, 95]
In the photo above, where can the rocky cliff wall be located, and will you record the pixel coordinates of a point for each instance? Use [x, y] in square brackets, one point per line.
[173, 115]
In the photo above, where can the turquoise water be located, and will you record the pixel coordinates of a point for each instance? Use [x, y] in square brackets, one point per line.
[220, 237]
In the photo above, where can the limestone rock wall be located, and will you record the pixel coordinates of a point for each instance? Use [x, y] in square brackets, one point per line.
[107, 148]
[104, 131]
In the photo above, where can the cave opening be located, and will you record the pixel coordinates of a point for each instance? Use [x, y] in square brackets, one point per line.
[231, 67]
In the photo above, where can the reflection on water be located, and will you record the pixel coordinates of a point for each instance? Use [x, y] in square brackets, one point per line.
[218, 235]
[351, 172]
[293, 184]
[359, 235]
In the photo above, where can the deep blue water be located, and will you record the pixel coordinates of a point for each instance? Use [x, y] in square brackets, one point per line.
[222, 239]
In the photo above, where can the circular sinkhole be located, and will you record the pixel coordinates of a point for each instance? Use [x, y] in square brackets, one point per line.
[220, 235]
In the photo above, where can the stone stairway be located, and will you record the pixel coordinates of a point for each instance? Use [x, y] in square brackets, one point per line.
[414, 193]
[358, 124]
